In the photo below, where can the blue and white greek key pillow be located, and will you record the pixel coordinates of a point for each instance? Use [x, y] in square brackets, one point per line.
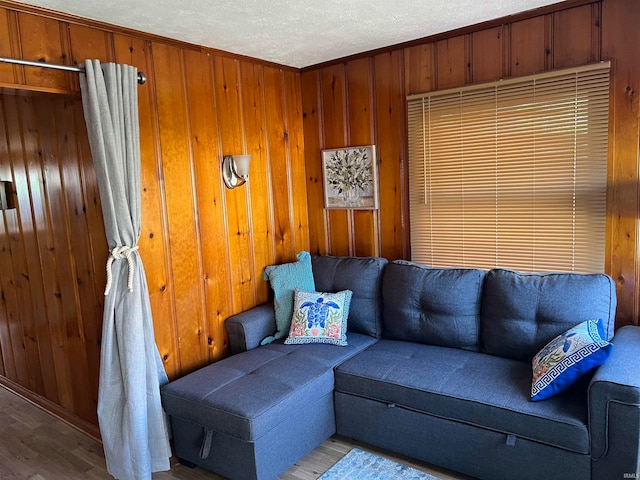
[320, 318]
[568, 357]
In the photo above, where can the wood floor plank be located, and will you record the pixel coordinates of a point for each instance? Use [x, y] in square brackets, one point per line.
[35, 445]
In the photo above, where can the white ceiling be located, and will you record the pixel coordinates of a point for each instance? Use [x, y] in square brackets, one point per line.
[296, 33]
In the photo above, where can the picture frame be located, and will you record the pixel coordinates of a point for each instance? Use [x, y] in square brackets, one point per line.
[350, 178]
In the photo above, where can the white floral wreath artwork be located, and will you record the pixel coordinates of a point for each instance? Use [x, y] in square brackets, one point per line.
[350, 177]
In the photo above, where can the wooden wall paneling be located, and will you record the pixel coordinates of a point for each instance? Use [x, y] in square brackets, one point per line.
[528, 49]
[231, 128]
[22, 334]
[212, 229]
[419, 68]
[95, 225]
[8, 218]
[177, 166]
[279, 164]
[506, 50]
[198, 331]
[41, 39]
[154, 236]
[313, 141]
[25, 251]
[596, 32]
[46, 250]
[7, 74]
[7, 314]
[362, 132]
[573, 30]
[83, 266]
[390, 120]
[333, 94]
[2, 371]
[6, 70]
[10, 46]
[260, 184]
[548, 38]
[620, 38]
[451, 61]
[487, 55]
[39, 114]
[6, 347]
[293, 97]
[88, 43]
[49, 113]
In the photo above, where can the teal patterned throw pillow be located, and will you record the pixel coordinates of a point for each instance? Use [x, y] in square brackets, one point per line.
[284, 279]
[568, 357]
[320, 318]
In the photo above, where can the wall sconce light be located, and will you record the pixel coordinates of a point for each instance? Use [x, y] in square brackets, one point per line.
[235, 170]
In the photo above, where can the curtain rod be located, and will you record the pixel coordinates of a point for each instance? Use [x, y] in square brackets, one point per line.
[142, 78]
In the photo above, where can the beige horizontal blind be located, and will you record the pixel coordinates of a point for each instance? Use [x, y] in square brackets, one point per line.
[511, 174]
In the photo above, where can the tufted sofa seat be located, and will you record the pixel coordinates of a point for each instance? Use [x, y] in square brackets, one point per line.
[402, 383]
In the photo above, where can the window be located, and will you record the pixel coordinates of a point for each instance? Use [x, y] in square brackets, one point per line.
[511, 174]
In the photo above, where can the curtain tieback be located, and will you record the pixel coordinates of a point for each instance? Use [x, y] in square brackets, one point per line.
[119, 253]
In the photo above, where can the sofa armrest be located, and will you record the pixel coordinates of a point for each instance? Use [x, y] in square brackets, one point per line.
[247, 329]
[614, 409]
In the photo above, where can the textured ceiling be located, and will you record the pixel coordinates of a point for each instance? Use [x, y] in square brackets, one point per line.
[296, 33]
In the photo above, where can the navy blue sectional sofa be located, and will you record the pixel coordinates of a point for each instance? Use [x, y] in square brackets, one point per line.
[438, 368]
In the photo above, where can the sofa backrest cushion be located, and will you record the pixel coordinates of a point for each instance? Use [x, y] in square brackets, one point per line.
[434, 306]
[361, 275]
[522, 312]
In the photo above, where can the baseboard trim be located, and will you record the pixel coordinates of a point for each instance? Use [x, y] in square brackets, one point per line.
[52, 408]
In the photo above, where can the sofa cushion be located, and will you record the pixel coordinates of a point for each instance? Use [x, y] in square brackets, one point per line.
[522, 312]
[469, 387]
[435, 306]
[361, 275]
[284, 279]
[320, 317]
[248, 394]
[568, 357]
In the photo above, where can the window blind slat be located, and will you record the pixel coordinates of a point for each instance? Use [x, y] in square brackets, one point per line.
[511, 174]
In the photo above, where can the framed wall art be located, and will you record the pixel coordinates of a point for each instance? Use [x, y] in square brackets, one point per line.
[350, 177]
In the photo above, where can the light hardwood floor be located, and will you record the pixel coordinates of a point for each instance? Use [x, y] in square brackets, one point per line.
[35, 445]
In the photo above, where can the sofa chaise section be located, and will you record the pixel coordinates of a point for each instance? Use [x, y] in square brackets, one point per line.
[256, 413]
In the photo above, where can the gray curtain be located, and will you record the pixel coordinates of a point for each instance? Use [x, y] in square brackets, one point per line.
[132, 423]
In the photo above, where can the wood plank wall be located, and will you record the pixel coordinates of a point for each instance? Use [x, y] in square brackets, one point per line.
[204, 247]
[361, 100]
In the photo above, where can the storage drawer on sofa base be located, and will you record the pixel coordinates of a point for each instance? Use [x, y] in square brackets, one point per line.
[464, 448]
[267, 457]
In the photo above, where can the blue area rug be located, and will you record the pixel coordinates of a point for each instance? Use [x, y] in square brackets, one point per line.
[359, 465]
